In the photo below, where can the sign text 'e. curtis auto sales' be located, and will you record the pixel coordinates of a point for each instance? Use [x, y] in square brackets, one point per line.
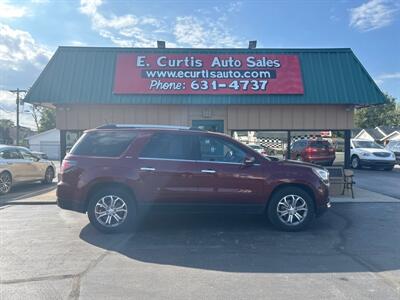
[141, 73]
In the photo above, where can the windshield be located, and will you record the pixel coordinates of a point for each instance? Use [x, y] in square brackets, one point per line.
[366, 144]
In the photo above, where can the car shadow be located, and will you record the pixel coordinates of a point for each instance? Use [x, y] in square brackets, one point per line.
[246, 243]
[27, 190]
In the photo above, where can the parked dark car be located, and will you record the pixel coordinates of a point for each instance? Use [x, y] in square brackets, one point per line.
[314, 151]
[117, 172]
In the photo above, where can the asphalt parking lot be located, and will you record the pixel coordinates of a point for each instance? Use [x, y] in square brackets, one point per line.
[352, 252]
[384, 182]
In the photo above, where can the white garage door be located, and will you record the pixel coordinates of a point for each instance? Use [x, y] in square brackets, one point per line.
[52, 149]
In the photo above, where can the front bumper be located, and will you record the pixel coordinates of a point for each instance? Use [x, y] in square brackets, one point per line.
[377, 163]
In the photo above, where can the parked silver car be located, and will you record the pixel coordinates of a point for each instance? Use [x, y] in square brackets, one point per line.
[19, 165]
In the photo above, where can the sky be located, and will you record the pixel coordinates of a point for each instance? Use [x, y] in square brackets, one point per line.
[31, 31]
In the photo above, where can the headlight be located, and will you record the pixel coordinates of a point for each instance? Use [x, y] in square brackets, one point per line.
[365, 153]
[321, 173]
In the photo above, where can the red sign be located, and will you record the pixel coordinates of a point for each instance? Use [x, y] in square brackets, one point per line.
[141, 73]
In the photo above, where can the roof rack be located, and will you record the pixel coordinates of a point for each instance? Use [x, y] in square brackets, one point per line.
[114, 126]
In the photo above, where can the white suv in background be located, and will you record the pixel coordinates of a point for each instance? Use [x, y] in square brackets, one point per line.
[365, 153]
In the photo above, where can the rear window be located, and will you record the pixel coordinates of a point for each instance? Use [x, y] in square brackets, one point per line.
[319, 144]
[104, 143]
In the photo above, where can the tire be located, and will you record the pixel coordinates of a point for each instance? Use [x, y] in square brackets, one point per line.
[355, 162]
[123, 200]
[48, 176]
[288, 195]
[5, 182]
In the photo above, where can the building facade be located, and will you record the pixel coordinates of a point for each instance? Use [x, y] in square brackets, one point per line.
[277, 91]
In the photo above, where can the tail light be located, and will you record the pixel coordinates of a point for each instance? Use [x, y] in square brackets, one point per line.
[331, 149]
[67, 165]
[310, 150]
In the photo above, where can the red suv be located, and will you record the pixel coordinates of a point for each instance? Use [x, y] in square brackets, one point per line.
[116, 172]
[313, 151]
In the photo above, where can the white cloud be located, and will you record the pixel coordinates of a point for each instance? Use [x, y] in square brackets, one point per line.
[8, 110]
[373, 14]
[395, 75]
[126, 30]
[202, 30]
[18, 49]
[9, 11]
[191, 31]
[21, 60]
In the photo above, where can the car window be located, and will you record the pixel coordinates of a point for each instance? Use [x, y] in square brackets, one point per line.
[169, 146]
[366, 144]
[103, 143]
[26, 154]
[10, 154]
[219, 150]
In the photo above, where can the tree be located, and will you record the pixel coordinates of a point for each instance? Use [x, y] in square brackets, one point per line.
[387, 114]
[47, 119]
[36, 112]
[5, 126]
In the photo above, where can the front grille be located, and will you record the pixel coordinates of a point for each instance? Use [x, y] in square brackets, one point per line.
[381, 154]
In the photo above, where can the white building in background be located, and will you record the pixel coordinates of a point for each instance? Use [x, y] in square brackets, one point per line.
[47, 142]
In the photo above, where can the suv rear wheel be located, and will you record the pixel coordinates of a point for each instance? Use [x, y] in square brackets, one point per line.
[112, 210]
[291, 209]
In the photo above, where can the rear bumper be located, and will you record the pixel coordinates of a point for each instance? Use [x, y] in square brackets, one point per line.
[70, 205]
[67, 198]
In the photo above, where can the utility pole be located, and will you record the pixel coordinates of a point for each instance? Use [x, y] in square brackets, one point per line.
[18, 91]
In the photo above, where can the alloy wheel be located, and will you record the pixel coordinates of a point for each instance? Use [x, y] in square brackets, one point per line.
[111, 211]
[5, 183]
[49, 175]
[354, 162]
[292, 210]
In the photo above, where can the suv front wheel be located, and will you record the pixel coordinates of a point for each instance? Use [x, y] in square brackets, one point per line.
[291, 209]
[112, 210]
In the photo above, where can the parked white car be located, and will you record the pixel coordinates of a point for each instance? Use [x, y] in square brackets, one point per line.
[365, 153]
[19, 165]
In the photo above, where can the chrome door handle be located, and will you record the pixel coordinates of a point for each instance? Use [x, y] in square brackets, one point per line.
[208, 171]
[147, 169]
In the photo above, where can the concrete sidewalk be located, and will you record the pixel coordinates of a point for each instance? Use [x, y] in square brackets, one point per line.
[363, 196]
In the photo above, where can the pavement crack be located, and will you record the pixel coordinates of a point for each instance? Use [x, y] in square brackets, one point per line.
[340, 247]
[40, 278]
[76, 284]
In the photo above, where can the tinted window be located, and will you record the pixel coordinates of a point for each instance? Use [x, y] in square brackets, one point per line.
[104, 143]
[217, 149]
[319, 144]
[10, 154]
[169, 146]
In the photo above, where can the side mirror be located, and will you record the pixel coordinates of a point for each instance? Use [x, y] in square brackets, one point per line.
[249, 160]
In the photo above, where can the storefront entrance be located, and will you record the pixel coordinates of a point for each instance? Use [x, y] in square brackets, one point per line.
[209, 125]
